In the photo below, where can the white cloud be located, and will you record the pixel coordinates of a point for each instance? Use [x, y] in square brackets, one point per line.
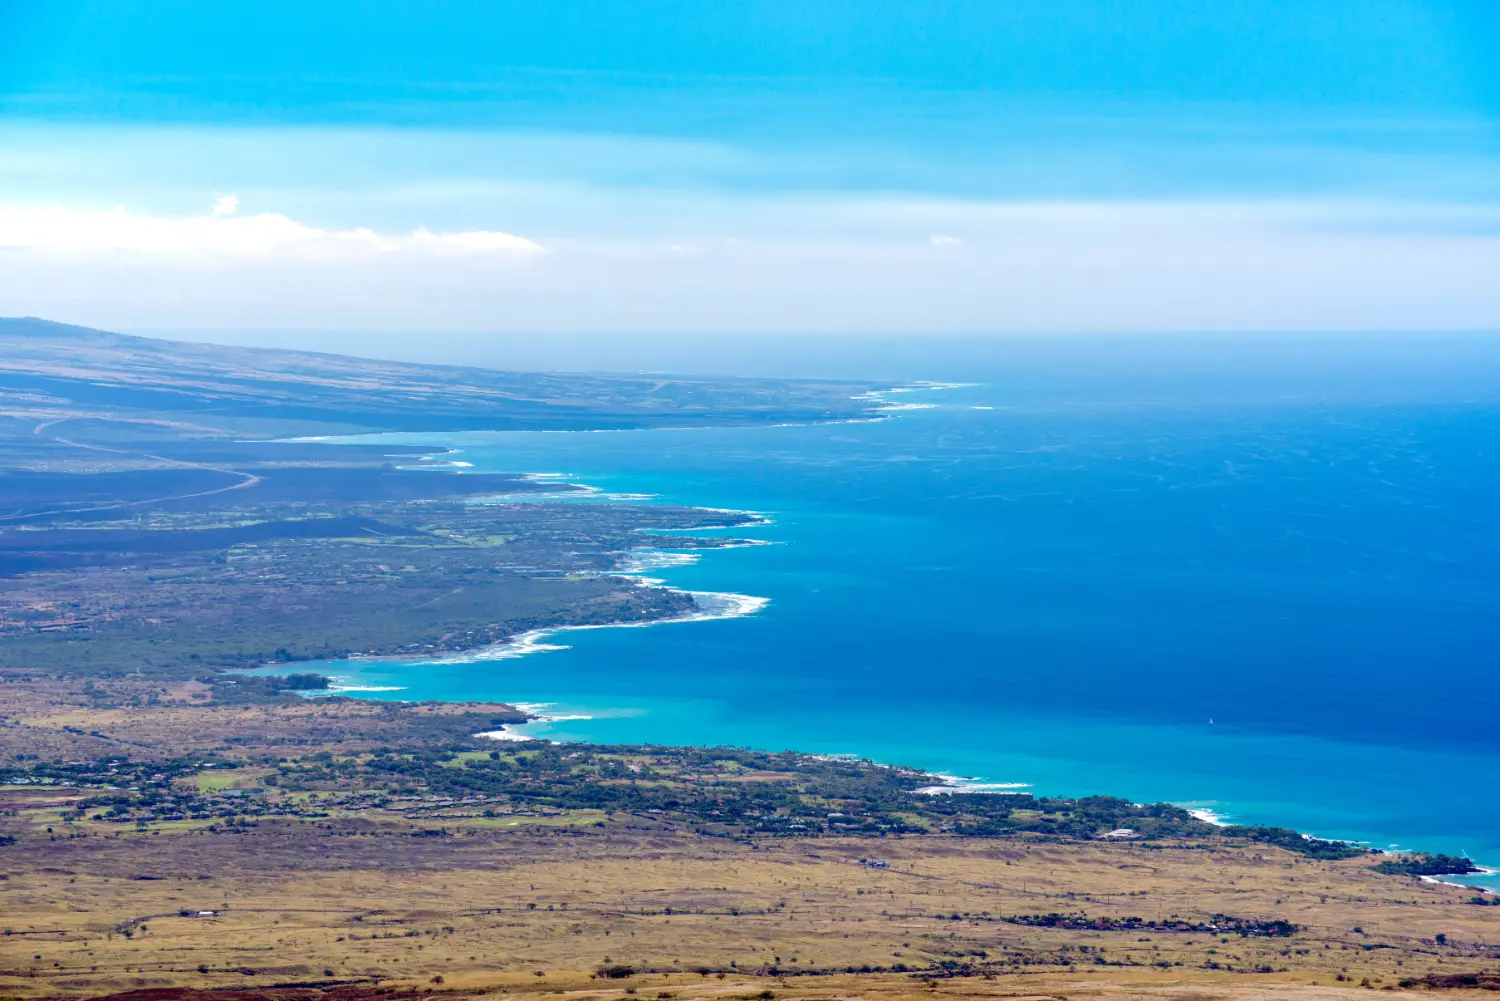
[939, 240]
[708, 262]
[480, 241]
[222, 233]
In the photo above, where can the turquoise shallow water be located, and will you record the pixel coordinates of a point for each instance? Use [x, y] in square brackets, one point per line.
[1279, 611]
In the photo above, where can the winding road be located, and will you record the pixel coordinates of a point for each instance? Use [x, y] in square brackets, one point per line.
[246, 479]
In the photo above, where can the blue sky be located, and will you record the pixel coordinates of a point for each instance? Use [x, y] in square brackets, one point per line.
[739, 167]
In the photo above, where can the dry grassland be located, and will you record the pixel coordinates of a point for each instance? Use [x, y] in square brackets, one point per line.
[540, 904]
[52, 719]
[296, 902]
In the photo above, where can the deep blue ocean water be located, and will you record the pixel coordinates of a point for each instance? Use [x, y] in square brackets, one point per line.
[1278, 606]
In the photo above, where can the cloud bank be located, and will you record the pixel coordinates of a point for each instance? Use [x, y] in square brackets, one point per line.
[774, 264]
[222, 233]
[376, 229]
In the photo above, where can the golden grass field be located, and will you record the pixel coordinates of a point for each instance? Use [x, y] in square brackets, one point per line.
[489, 907]
[542, 904]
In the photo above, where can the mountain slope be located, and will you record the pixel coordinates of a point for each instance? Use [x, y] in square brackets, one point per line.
[48, 367]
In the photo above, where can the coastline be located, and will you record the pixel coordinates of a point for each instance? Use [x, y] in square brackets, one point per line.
[729, 606]
[632, 564]
[537, 641]
[712, 606]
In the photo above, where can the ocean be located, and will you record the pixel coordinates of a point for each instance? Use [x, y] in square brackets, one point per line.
[1272, 599]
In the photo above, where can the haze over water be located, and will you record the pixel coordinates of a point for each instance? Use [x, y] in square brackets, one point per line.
[1268, 592]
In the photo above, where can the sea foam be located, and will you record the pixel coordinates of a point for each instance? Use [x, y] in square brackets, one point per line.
[712, 605]
[540, 719]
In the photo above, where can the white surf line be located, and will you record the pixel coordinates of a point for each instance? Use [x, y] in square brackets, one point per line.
[640, 561]
[712, 606]
[1208, 816]
[1462, 886]
[915, 387]
[503, 734]
[923, 385]
[539, 715]
[952, 784]
[891, 407]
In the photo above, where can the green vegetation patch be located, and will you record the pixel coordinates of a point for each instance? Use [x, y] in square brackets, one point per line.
[1423, 864]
